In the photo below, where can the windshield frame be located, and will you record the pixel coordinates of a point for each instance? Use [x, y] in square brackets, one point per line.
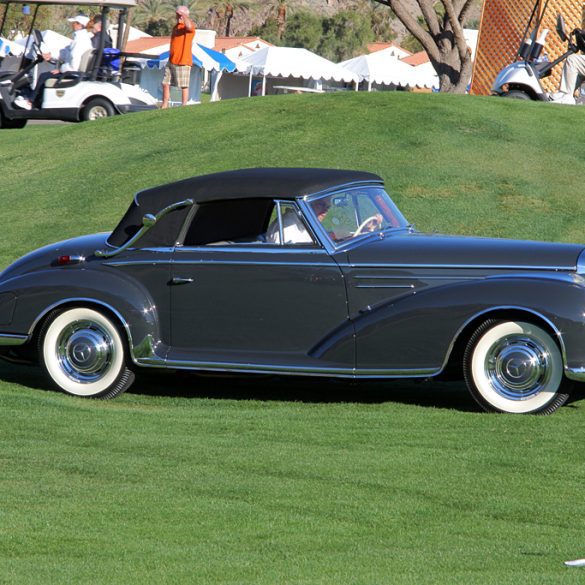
[333, 245]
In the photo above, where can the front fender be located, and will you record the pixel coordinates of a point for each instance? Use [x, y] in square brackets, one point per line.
[418, 331]
[31, 297]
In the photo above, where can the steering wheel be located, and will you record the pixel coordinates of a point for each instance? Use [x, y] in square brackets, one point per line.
[374, 222]
[37, 41]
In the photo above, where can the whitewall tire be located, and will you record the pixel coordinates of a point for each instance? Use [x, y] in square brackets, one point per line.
[515, 367]
[83, 353]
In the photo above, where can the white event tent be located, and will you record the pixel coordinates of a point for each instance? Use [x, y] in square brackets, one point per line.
[382, 68]
[271, 66]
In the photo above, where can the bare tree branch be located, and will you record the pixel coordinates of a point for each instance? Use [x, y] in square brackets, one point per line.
[430, 16]
[413, 27]
[457, 28]
[443, 41]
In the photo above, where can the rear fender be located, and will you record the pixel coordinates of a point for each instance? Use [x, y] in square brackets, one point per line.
[33, 296]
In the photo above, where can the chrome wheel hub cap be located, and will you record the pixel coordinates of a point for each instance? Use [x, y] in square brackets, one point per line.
[85, 351]
[518, 367]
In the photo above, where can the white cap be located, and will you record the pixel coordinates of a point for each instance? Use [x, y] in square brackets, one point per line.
[80, 19]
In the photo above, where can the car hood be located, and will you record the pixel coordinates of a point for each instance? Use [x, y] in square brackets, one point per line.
[42, 258]
[424, 250]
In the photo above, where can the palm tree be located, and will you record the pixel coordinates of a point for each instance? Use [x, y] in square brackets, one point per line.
[221, 14]
[148, 11]
[281, 18]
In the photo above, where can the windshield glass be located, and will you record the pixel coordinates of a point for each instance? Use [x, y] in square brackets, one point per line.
[356, 212]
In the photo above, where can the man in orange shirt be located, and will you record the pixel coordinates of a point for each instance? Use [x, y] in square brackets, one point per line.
[178, 68]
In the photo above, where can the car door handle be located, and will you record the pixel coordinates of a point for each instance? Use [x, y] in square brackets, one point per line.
[181, 280]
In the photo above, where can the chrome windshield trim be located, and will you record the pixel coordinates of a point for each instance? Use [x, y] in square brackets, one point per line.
[343, 187]
[148, 222]
[324, 238]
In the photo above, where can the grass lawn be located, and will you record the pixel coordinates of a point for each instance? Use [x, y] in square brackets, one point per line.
[266, 480]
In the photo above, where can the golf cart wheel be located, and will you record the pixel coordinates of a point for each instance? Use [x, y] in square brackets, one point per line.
[7, 124]
[517, 94]
[515, 367]
[97, 108]
[84, 354]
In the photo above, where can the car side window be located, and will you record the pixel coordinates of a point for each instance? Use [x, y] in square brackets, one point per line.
[257, 221]
[287, 226]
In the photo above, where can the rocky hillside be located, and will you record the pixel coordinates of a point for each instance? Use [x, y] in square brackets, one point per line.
[247, 15]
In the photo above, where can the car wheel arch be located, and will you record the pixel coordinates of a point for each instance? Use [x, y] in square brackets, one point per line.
[454, 357]
[114, 315]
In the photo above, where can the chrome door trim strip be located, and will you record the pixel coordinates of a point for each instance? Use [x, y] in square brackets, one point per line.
[117, 264]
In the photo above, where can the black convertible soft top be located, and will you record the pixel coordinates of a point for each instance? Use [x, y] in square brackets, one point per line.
[285, 183]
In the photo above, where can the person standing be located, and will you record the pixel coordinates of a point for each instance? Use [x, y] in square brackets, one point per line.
[178, 68]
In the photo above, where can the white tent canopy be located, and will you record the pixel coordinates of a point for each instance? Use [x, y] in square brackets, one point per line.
[9, 48]
[52, 43]
[293, 62]
[383, 68]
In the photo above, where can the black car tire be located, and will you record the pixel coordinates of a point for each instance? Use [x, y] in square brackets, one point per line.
[84, 354]
[515, 367]
[97, 108]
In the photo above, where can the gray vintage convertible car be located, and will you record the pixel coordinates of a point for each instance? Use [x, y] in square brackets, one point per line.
[298, 271]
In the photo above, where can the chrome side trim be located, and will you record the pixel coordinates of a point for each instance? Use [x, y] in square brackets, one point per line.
[149, 220]
[467, 267]
[384, 286]
[11, 339]
[259, 248]
[290, 370]
[577, 374]
[217, 262]
[403, 277]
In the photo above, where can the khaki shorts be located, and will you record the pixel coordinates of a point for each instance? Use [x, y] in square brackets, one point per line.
[177, 75]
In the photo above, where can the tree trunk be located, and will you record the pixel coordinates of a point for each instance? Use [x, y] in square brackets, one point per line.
[454, 73]
[442, 38]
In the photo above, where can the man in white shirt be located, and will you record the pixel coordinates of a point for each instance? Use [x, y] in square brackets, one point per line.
[70, 58]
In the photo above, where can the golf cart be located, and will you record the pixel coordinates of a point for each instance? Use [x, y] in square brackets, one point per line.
[522, 79]
[105, 85]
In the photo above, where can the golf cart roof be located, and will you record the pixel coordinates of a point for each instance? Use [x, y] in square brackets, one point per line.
[109, 3]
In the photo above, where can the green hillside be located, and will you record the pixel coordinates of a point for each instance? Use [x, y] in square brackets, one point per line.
[453, 163]
[260, 480]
